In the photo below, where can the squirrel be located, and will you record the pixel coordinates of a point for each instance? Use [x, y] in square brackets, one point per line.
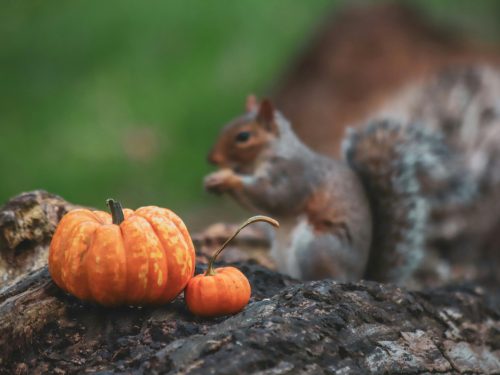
[362, 217]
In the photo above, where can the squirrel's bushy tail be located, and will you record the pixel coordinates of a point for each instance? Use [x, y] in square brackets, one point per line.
[404, 168]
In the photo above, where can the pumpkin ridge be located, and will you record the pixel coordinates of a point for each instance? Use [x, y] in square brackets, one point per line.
[208, 299]
[181, 227]
[63, 246]
[74, 283]
[177, 280]
[227, 284]
[90, 216]
[109, 271]
[72, 232]
[96, 214]
[244, 285]
[125, 264]
[154, 230]
[128, 279]
[241, 288]
[185, 244]
[174, 219]
[81, 211]
[147, 285]
[56, 253]
[83, 260]
[193, 293]
[164, 251]
[84, 253]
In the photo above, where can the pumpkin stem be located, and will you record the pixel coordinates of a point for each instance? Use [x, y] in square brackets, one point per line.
[254, 219]
[116, 211]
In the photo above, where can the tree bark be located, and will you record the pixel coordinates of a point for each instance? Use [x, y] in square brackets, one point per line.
[27, 223]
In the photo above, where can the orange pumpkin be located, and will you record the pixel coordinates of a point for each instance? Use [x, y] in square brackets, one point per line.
[224, 290]
[128, 258]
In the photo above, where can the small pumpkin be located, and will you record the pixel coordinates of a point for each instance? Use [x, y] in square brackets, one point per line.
[224, 290]
[127, 258]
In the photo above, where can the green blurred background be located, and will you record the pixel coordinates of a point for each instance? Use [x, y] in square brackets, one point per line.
[123, 98]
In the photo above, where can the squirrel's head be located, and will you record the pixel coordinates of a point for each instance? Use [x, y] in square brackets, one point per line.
[241, 141]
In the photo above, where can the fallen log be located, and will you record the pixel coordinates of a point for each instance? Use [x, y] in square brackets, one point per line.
[288, 327]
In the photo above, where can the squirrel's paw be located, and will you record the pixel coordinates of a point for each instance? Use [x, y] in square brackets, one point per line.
[221, 181]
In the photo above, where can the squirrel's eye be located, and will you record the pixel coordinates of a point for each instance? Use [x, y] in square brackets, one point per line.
[242, 137]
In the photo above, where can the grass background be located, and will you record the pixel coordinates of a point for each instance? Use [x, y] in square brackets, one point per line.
[123, 98]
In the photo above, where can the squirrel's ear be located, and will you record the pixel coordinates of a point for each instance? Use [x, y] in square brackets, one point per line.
[265, 116]
[266, 111]
[251, 103]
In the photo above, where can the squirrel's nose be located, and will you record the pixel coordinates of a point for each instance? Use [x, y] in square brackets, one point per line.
[214, 158]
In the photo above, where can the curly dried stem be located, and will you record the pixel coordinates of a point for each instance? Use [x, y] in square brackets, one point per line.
[254, 219]
[116, 211]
